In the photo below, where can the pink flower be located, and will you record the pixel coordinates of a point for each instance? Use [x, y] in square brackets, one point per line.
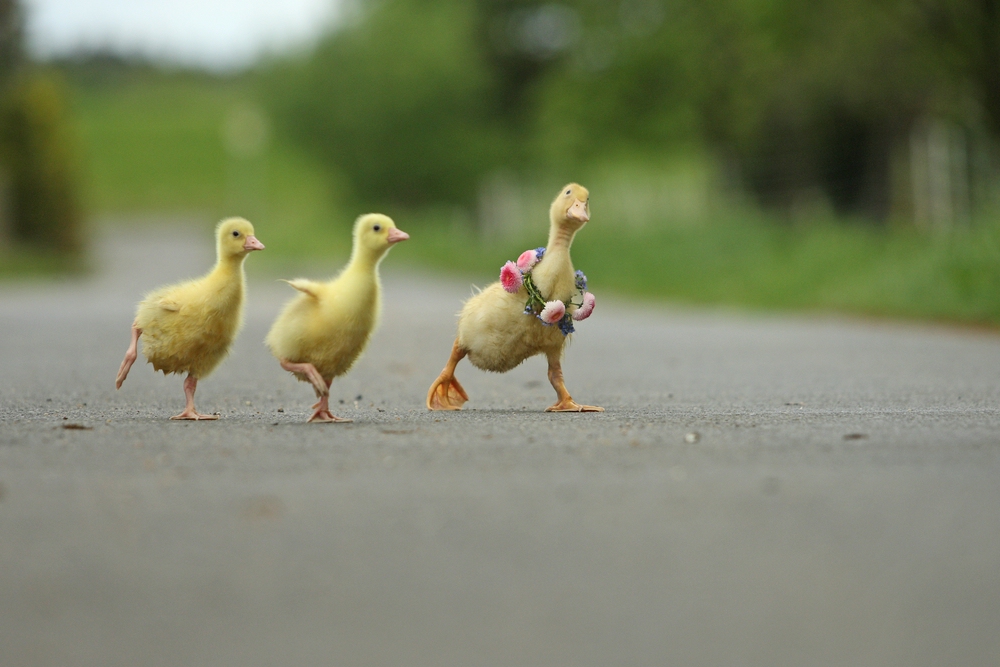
[584, 311]
[552, 312]
[510, 277]
[527, 260]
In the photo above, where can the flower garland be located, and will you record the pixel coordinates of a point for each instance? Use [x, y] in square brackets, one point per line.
[515, 275]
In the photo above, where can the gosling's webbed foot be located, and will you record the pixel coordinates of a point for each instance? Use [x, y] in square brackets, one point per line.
[192, 415]
[327, 417]
[569, 405]
[446, 394]
[322, 414]
[190, 386]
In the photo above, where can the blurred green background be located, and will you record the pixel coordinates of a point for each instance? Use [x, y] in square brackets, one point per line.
[828, 156]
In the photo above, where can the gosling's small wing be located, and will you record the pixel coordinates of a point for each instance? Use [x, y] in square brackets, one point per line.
[308, 287]
[168, 305]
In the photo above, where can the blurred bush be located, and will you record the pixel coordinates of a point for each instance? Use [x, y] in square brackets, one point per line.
[399, 100]
[832, 102]
[38, 156]
[11, 39]
[38, 199]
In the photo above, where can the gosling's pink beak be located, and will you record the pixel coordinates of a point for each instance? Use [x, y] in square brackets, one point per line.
[397, 235]
[252, 243]
[578, 211]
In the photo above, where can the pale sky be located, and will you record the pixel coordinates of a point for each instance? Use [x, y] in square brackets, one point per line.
[218, 34]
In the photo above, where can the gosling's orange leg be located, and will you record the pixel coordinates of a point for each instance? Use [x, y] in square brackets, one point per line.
[565, 402]
[130, 356]
[322, 414]
[446, 393]
[190, 384]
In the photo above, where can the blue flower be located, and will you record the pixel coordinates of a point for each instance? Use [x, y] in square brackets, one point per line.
[581, 281]
[566, 325]
[528, 310]
[540, 252]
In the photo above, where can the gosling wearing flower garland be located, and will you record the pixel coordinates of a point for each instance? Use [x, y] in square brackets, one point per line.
[530, 311]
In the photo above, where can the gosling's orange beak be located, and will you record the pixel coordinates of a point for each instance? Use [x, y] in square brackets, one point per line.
[252, 244]
[397, 235]
[578, 211]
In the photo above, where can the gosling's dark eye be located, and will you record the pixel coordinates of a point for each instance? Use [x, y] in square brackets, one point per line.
[236, 233]
[377, 228]
[568, 191]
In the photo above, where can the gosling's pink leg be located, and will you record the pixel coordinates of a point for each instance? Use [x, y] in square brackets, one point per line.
[319, 396]
[321, 386]
[190, 384]
[130, 356]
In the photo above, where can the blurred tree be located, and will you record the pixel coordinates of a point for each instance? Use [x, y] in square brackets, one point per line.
[968, 32]
[625, 87]
[38, 203]
[834, 94]
[11, 39]
[38, 154]
[11, 31]
[521, 40]
[400, 101]
[416, 100]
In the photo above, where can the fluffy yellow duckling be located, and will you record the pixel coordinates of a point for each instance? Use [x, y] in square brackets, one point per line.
[322, 331]
[493, 330]
[189, 327]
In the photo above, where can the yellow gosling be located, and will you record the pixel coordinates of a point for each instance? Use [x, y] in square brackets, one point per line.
[189, 327]
[321, 332]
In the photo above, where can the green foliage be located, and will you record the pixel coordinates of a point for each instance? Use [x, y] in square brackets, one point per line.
[39, 210]
[27, 262]
[397, 101]
[416, 102]
[38, 157]
[38, 203]
[11, 40]
[154, 141]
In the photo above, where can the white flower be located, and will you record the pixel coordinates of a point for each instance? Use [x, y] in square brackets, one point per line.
[552, 312]
[527, 260]
[584, 311]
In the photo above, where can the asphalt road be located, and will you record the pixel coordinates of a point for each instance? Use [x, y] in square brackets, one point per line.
[761, 490]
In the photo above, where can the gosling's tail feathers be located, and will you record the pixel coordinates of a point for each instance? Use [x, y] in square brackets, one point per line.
[305, 286]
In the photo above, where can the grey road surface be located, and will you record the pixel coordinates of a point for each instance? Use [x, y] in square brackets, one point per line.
[762, 490]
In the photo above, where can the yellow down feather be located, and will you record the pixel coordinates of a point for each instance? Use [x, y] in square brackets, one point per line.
[189, 327]
[330, 323]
